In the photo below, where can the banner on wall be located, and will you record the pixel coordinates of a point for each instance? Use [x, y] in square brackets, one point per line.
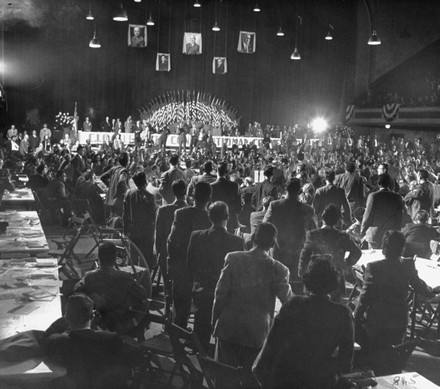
[192, 43]
[163, 62]
[246, 42]
[219, 65]
[390, 112]
[97, 138]
[137, 36]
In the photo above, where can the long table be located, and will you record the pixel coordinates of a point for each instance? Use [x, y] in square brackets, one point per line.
[24, 234]
[22, 199]
[411, 380]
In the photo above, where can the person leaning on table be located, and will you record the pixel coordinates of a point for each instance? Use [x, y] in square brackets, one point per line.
[381, 316]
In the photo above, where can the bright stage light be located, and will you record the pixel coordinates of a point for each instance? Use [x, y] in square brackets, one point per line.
[319, 125]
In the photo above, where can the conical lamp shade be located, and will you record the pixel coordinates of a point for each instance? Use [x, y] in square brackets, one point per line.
[197, 4]
[150, 21]
[121, 15]
[374, 39]
[215, 27]
[329, 36]
[257, 8]
[94, 43]
[90, 16]
[295, 55]
[280, 32]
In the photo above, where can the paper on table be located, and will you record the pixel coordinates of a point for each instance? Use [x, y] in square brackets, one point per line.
[24, 309]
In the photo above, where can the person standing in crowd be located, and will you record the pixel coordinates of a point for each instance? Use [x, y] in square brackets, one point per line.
[229, 192]
[331, 194]
[45, 132]
[300, 349]
[292, 219]
[206, 256]
[182, 140]
[382, 169]
[353, 185]
[332, 242]
[244, 302]
[24, 146]
[87, 125]
[207, 176]
[140, 217]
[422, 197]
[117, 181]
[384, 211]
[162, 141]
[34, 141]
[78, 163]
[12, 132]
[56, 193]
[264, 189]
[258, 216]
[381, 316]
[186, 220]
[128, 124]
[106, 125]
[38, 180]
[167, 179]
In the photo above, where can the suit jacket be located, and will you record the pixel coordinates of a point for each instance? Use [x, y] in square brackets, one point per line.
[245, 297]
[117, 181]
[166, 181]
[205, 177]
[139, 214]
[421, 198]
[384, 212]
[186, 220]
[331, 194]
[192, 49]
[262, 190]
[299, 351]
[164, 221]
[79, 166]
[207, 250]
[383, 300]
[228, 192]
[292, 219]
[256, 219]
[353, 186]
[418, 238]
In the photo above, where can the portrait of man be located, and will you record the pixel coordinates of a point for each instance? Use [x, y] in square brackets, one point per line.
[192, 43]
[137, 36]
[219, 65]
[246, 42]
[163, 63]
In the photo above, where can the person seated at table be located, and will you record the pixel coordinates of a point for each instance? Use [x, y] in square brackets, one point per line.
[86, 189]
[381, 316]
[328, 240]
[119, 298]
[38, 180]
[56, 193]
[418, 236]
[93, 359]
[300, 350]
[5, 179]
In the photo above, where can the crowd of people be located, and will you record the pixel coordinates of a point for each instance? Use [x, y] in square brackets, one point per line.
[234, 229]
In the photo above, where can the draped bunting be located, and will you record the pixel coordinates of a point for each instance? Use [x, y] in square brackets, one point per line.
[390, 112]
[349, 112]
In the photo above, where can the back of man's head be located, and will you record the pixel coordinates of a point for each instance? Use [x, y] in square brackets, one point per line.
[179, 188]
[331, 214]
[202, 192]
[140, 179]
[174, 159]
[268, 172]
[218, 212]
[222, 169]
[123, 159]
[393, 243]
[79, 310]
[293, 187]
[423, 174]
[351, 167]
[385, 167]
[207, 167]
[40, 168]
[265, 235]
[384, 180]
[330, 175]
[107, 254]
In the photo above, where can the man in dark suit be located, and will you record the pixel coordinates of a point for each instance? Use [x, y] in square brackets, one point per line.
[353, 185]
[264, 189]
[384, 168]
[78, 164]
[207, 176]
[384, 212]
[206, 256]
[247, 43]
[382, 311]
[163, 63]
[192, 47]
[258, 216]
[220, 66]
[292, 219]
[106, 126]
[164, 221]
[331, 194]
[171, 175]
[229, 192]
[422, 197]
[186, 220]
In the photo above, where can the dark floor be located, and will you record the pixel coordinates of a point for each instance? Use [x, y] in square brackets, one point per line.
[425, 359]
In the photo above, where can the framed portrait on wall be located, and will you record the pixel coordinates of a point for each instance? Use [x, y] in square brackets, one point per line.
[219, 65]
[246, 42]
[192, 43]
[163, 62]
[137, 35]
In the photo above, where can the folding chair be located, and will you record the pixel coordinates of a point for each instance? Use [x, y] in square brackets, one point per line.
[212, 369]
[357, 287]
